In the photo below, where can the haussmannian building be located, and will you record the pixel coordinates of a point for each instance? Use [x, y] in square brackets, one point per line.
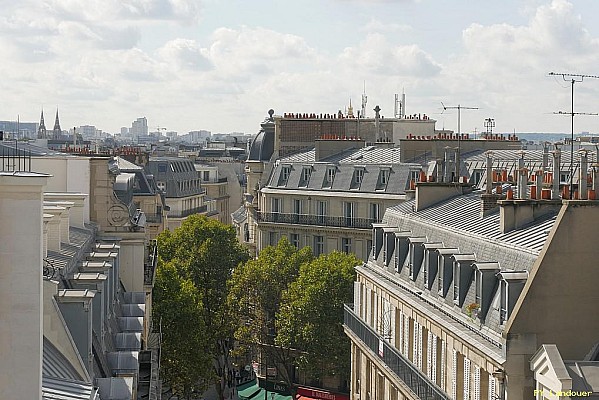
[327, 198]
[469, 294]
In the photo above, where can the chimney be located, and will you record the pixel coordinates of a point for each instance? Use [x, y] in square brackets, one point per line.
[556, 174]
[489, 185]
[446, 165]
[539, 183]
[583, 174]
[489, 199]
[522, 182]
[545, 156]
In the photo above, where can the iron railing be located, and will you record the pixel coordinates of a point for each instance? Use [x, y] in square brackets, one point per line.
[13, 159]
[320, 220]
[418, 382]
[150, 264]
[188, 212]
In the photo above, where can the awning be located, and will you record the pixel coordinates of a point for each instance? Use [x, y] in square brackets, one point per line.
[251, 390]
[248, 390]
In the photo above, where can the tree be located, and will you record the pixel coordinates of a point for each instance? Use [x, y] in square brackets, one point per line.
[256, 291]
[177, 303]
[206, 252]
[311, 315]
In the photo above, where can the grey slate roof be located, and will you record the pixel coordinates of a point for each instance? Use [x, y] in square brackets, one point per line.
[369, 159]
[462, 214]
[55, 364]
[64, 389]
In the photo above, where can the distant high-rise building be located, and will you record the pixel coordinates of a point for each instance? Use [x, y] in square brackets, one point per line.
[124, 131]
[139, 127]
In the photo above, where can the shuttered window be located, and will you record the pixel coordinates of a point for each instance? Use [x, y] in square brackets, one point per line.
[466, 378]
[454, 372]
[476, 386]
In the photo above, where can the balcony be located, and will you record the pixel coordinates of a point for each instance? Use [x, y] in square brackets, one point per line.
[418, 382]
[188, 212]
[154, 218]
[150, 263]
[320, 220]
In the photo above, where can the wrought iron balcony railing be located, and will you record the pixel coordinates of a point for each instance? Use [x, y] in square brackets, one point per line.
[188, 212]
[418, 382]
[320, 220]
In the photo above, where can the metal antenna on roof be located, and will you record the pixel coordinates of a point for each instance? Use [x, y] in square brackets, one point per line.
[459, 108]
[573, 78]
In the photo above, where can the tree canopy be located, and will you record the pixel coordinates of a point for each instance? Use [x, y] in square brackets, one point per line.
[311, 315]
[204, 253]
[291, 308]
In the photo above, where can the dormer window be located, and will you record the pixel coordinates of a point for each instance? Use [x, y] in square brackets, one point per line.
[462, 276]
[284, 177]
[377, 240]
[401, 249]
[445, 265]
[306, 172]
[388, 245]
[416, 256]
[511, 284]
[330, 176]
[358, 177]
[485, 283]
[383, 178]
[430, 263]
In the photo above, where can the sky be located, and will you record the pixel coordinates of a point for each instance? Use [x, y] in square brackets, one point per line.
[221, 65]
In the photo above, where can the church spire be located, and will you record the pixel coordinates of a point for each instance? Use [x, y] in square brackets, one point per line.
[41, 130]
[56, 132]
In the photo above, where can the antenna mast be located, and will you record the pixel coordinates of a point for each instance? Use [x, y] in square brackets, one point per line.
[459, 108]
[364, 101]
[573, 78]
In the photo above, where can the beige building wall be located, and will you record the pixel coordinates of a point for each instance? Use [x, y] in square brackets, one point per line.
[558, 303]
[21, 323]
[332, 236]
[374, 376]
[69, 174]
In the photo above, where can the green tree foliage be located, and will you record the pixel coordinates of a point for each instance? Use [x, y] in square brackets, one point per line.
[178, 305]
[311, 315]
[205, 252]
[256, 291]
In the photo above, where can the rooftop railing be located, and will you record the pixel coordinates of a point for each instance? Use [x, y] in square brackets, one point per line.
[417, 381]
[320, 220]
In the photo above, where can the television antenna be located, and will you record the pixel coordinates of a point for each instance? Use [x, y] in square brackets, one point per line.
[459, 108]
[573, 78]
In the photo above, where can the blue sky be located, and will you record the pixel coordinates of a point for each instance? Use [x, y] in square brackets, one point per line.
[220, 65]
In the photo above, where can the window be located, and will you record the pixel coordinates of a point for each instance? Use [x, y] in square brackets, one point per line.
[375, 212]
[348, 213]
[161, 167]
[285, 172]
[298, 206]
[359, 175]
[456, 278]
[272, 238]
[306, 172]
[502, 302]
[415, 175]
[161, 186]
[294, 239]
[346, 245]
[383, 178]
[331, 175]
[318, 245]
[368, 248]
[478, 287]
[476, 177]
[276, 205]
[321, 211]
[206, 176]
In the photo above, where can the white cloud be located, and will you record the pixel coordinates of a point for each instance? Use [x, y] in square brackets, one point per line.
[375, 54]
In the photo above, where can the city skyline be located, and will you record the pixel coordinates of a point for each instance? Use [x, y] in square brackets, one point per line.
[219, 66]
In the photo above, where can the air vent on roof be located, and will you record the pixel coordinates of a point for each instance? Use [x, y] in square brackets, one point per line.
[356, 157]
[368, 148]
